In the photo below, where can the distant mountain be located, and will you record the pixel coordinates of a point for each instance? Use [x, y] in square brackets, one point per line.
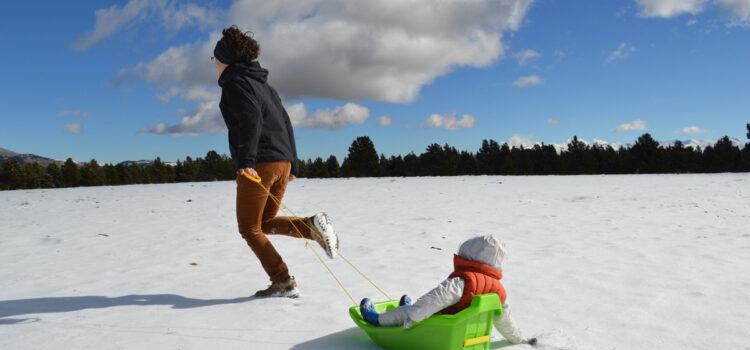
[694, 143]
[26, 158]
[143, 163]
[702, 143]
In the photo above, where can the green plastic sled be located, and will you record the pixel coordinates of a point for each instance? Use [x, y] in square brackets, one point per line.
[469, 329]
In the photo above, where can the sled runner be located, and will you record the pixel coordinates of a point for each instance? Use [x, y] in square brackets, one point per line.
[469, 329]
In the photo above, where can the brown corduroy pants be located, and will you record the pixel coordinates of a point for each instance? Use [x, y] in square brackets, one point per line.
[256, 216]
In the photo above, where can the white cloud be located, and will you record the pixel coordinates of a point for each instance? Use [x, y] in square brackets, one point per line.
[297, 113]
[560, 53]
[344, 50]
[76, 113]
[526, 55]
[554, 121]
[692, 22]
[669, 8]
[204, 118]
[337, 49]
[178, 67]
[449, 122]
[529, 80]
[174, 17]
[694, 130]
[638, 125]
[622, 52]
[73, 128]
[336, 119]
[164, 98]
[385, 120]
[740, 10]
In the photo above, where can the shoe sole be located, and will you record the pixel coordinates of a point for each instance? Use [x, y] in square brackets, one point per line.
[323, 221]
[292, 293]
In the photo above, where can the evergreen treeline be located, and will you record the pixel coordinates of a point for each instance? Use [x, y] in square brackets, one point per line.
[646, 156]
[212, 168]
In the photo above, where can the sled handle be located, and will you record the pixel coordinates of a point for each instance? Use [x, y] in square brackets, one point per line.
[475, 341]
[253, 179]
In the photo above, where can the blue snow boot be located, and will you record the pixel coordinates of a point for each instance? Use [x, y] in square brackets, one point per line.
[405, 300]
[368, 312]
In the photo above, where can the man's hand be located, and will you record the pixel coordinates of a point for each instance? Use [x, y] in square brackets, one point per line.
[292, 177]
[249, 171]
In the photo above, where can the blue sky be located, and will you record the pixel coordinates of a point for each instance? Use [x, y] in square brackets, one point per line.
[126, 80]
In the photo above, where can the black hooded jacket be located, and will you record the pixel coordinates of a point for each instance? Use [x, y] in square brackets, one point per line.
[259, 127]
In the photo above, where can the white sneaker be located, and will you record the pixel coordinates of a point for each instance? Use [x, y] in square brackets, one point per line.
[325, 236]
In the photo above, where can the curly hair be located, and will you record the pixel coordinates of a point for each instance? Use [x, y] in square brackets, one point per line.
[241, 44]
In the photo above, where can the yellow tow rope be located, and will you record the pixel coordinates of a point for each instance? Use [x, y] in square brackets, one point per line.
[307, 244]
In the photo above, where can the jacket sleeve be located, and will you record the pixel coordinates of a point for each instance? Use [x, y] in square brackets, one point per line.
[244, 121]
[507, 327]
[444, 295]
[293, 143]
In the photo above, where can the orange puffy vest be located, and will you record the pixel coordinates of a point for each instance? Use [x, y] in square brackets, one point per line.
[478, 278]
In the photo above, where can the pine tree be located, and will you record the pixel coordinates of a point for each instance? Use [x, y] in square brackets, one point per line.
[71, 175]
[332, 164]
[191, 170]
[111, 175]
[505, 163]
[32, 173]
[318, 169]
[136, 174]
[55, 175]
[385, 167]
[228, 169]
[746, 153]
[550, 161]
[488, 158]
[363, 160]
[11, 175]
[395, 166]
[303, 170]
[90, 174]
[411, 164]
[124, 174]
[726, 156]
[439, 161]
[210, 168]
[573, 157]
[647, 155]
[467, 164]
[745, 158]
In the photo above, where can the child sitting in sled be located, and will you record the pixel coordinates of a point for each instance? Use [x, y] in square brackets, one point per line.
[477, 270]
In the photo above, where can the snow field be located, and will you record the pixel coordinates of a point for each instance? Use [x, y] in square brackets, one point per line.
[595, 262]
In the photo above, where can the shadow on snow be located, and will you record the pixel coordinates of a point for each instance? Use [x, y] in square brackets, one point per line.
[352, 338]
[68, 304]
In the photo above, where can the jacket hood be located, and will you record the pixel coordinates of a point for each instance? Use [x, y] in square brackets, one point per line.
[251, 70]
[484, 249]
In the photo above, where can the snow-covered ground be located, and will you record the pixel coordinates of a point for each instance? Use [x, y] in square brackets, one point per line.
[595, 262]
